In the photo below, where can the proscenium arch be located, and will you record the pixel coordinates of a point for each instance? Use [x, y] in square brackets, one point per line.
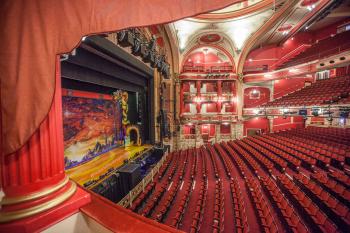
[218, 47]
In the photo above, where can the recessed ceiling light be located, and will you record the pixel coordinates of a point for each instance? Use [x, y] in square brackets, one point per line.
[250, 60]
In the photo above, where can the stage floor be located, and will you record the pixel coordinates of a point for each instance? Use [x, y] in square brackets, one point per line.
[101, 164]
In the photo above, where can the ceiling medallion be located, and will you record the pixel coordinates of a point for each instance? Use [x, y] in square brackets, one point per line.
[210, 38]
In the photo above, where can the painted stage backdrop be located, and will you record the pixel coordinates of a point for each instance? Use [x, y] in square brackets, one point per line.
[92, 124]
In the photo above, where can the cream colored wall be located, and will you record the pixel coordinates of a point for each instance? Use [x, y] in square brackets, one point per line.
[77, 223]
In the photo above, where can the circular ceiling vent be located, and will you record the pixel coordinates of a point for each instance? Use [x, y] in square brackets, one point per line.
[210, 38]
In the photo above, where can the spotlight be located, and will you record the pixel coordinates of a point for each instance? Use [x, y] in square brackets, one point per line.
[330, 119]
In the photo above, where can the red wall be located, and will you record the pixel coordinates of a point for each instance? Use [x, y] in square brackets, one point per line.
[206, 60]
[328, 31]
[269, 55]
[187, 129]
[285, 86]
[284, 124]
[251, 103]
[211, 107]
[256, 123]
[278, 124]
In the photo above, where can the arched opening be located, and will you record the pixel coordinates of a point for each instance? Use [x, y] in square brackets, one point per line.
[133, 137]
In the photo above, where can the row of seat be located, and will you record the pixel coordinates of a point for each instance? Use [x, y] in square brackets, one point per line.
[321, 154]
[145, 194]
[335, 210]
[338, 138]
[280, 164]
[163, 206]
[307, 161]
[318, 93]
[283, 207]
[229, 167]
[218, 220]
[200, 206]
[309, 210]
[240, 216]
[182, 206]
[266, 163]
[293, 162]
[166, 201]
[253, 165]
[235, 158]
[340, 177]
[295, 200]
[166, 164]
[161, 187]
[262, 208]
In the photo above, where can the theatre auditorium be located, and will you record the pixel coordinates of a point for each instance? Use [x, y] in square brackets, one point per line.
[175, 116]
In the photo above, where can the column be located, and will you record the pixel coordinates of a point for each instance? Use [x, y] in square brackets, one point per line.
[233, 131]
[198, 103]
[198, 85]
[233, 92]
[219, 85]
[181, 98]
[219, 95]
[239, 98]
[270, 124]
[217, 132]
[233, 88]
[33, 178]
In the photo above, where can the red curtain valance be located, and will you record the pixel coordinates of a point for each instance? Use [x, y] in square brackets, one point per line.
[33, 32]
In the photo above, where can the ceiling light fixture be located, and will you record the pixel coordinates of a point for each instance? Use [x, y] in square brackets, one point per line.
[293, 70]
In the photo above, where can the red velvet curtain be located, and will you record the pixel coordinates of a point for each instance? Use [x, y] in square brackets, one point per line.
[34, 31]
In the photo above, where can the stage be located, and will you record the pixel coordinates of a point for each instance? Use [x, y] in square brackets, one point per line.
[93, 169]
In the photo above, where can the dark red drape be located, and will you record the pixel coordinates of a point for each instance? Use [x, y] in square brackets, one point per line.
[33, 32]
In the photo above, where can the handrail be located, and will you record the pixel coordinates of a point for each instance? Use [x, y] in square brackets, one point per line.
[140, 187]
[321, 55]
[284, 59]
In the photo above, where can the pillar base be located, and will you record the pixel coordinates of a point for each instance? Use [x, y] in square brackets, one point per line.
[43, 220]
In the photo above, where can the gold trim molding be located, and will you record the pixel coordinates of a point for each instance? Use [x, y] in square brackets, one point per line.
[14, 215]
[45, 192]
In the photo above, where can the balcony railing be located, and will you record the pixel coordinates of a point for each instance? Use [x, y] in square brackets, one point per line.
[130, 197]
[320, 55]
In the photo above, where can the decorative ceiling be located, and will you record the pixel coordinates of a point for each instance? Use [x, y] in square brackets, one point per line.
[239, 21]
[250, 24]
[236, 30]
